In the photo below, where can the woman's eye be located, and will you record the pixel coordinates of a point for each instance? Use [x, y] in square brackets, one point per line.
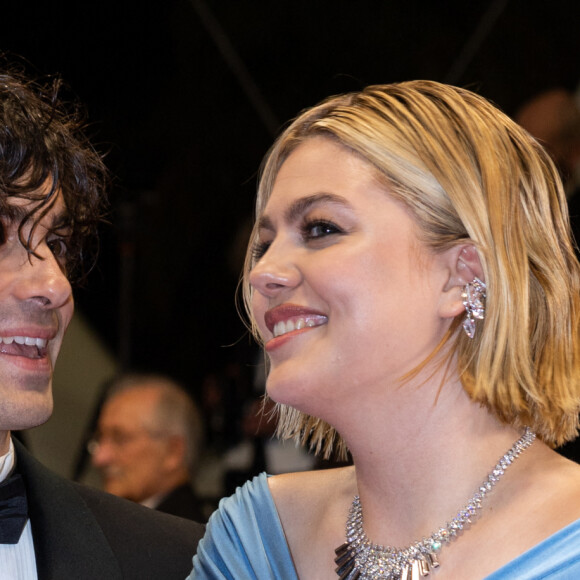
[259, 249]
[320, 229]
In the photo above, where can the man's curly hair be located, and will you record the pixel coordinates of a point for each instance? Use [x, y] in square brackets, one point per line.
[43, 150]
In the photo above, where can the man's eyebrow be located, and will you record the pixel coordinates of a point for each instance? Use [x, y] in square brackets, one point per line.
[301, 206]
[61, 220]
[15, 213]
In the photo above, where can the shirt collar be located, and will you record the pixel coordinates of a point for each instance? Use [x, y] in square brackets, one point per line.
[7, 462]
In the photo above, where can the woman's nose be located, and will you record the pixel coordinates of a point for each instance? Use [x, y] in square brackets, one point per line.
[276, 271]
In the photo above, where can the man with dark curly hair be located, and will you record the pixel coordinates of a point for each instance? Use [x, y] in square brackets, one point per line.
[52, 185]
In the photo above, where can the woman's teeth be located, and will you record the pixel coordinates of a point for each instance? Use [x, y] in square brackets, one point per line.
[283, 327]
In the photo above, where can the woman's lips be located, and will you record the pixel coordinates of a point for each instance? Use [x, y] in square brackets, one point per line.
[288, 320]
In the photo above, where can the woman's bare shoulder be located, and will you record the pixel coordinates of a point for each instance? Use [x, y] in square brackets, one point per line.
[313, 507]
[558, 494]
[305, 496]
[312, 485]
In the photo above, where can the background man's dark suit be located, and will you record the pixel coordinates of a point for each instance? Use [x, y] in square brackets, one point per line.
[182, 502]
[82, 533]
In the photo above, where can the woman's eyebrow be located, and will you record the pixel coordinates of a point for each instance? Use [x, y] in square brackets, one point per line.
[301, 206]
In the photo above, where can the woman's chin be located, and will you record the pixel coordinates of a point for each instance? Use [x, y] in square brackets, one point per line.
[287, 391]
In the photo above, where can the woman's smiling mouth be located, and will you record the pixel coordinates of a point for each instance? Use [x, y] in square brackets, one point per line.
[282, 327]
[288, 318]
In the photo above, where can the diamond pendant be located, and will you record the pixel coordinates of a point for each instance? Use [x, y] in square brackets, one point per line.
[420, 568]
[345, 562]
[469, 326]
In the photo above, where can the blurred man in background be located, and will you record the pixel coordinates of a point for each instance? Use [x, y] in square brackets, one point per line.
[147, 444]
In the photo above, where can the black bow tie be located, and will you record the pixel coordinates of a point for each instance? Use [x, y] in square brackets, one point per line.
[13, 509]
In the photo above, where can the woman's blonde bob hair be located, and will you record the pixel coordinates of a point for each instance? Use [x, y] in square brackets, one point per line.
[467, 173]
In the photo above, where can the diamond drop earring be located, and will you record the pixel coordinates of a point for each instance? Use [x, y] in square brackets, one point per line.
[473, 296]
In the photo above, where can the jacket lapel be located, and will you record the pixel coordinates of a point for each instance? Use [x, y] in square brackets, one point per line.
[68, 541]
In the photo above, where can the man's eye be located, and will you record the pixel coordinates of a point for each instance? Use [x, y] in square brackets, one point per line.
[58, 247]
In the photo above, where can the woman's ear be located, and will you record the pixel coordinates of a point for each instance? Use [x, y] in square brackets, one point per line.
[464, 266]
[467, 265]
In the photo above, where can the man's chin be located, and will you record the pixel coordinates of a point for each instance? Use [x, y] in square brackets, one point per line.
[112, 486]
[26, 416]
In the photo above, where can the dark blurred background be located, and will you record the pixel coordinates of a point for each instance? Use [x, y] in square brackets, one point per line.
[185, 97]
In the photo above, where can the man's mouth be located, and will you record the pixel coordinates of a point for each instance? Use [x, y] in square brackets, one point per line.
[110, 472]
[26, 346]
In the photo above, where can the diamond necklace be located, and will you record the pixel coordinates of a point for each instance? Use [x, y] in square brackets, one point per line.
[359, 559]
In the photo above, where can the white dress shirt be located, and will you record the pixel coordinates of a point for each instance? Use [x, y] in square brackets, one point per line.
[17, 561]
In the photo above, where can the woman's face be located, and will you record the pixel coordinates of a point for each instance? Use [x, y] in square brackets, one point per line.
[345, 295]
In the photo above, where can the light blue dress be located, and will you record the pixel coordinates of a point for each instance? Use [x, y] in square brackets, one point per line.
[245, 541]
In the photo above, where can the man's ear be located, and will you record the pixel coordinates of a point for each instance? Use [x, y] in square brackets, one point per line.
[175, 451]
[464, 266]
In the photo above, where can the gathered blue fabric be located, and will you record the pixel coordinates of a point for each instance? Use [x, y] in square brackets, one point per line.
[245, 541]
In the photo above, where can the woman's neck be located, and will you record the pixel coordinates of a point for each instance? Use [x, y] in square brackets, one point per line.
[420, 459]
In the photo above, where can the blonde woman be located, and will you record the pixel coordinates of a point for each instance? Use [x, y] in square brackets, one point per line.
[412, 279]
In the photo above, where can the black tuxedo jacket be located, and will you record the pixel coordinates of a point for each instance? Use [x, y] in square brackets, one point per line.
[85, 534]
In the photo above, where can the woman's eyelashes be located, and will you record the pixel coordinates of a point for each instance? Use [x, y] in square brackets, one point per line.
[315, 229]
[259, 249]
[310, 231]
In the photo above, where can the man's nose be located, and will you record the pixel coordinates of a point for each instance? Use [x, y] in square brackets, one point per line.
[41, 279]
[101, 453]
